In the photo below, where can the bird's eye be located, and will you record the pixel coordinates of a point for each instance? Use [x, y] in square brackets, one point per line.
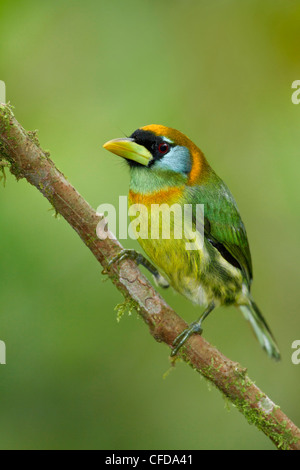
[163, 148]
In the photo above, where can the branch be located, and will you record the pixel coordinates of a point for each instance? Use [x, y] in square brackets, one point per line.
[21, 151]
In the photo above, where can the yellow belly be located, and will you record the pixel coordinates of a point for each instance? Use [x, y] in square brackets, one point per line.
[160, 239]
[200, 274]
[180, 267]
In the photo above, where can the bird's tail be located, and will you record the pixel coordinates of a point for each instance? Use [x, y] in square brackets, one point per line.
[263, 333]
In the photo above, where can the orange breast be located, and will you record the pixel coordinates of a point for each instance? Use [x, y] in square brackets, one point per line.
[164, 196]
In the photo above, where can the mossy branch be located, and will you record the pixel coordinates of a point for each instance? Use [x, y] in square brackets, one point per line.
[20, 150]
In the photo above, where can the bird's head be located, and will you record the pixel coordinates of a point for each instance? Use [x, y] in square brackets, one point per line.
[161, 148]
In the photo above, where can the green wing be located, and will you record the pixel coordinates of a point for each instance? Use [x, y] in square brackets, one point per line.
[223, 227]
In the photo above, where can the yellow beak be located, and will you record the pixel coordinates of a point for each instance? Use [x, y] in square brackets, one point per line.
[130, 150]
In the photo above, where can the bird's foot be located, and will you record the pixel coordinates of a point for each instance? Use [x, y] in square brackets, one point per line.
[160, 280]
[140, 260]
[194, 327]
[124, 254]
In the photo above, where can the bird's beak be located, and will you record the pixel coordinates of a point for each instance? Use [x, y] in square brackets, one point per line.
[129, 149]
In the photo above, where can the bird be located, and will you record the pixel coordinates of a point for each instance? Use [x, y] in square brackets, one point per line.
[167, 168]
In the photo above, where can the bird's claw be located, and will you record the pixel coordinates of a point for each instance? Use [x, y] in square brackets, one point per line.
[140, 260]
[131, 254]
[194, 328]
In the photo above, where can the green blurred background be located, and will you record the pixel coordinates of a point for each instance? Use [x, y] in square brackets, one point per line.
[83, 72]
